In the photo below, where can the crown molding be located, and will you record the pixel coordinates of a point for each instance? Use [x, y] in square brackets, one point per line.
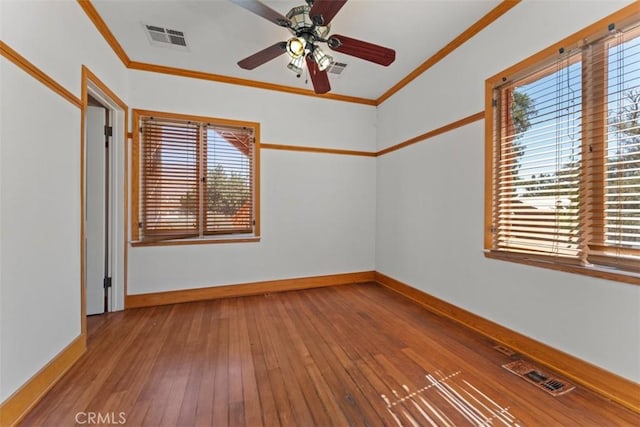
[467, 34]
[102, 27]
[162, 69]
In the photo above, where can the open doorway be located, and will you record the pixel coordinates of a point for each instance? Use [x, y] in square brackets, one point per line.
[98, 215]
[104, 199]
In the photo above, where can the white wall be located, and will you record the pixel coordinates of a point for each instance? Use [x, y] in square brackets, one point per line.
[320, 213]
[40, 181]
[317, 210]
[430, 202]
[2, 73]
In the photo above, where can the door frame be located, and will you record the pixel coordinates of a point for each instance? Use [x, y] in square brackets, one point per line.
[118, 187]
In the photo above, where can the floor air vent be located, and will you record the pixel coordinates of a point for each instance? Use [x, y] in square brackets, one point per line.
[504, 350]
[531, 373]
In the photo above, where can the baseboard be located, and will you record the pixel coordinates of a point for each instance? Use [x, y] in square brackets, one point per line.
[245, 289]
[605, 383]
[18, 405]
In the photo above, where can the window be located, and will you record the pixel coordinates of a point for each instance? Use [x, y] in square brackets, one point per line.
[197, 177]
[563, 151]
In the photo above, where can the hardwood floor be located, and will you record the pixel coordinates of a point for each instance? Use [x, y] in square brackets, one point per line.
[353, 355]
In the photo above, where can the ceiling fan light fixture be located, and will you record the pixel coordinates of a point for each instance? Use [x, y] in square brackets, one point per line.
[296, 65]
[295, 46]
[322, 59]
[299, 18]
[310, 25]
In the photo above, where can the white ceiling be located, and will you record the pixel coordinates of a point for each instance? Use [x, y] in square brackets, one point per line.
[220, 33]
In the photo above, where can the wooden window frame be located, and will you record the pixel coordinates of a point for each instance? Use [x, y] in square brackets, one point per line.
[591, 158]
[136, 179]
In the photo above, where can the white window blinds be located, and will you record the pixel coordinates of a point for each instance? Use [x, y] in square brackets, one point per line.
[566, 166]
[538, 162]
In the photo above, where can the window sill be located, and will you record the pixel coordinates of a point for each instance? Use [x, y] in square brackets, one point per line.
[602, 272]
[197, 241]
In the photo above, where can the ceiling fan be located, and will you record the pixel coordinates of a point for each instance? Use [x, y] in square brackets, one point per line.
[310, 25]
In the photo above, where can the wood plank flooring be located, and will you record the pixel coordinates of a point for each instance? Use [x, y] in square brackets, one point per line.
[353, 355]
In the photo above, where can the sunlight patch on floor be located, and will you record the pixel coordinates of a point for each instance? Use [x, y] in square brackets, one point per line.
[445, 397]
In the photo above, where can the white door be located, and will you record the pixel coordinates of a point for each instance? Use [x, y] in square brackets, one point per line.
[95, 210]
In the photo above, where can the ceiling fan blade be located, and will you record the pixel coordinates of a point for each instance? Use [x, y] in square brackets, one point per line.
[265, 55]
[320, 79]
[263, 10]
[323, 11]
[360, 49]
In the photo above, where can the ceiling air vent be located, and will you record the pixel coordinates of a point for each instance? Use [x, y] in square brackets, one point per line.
[336, 68]
[159, 36]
